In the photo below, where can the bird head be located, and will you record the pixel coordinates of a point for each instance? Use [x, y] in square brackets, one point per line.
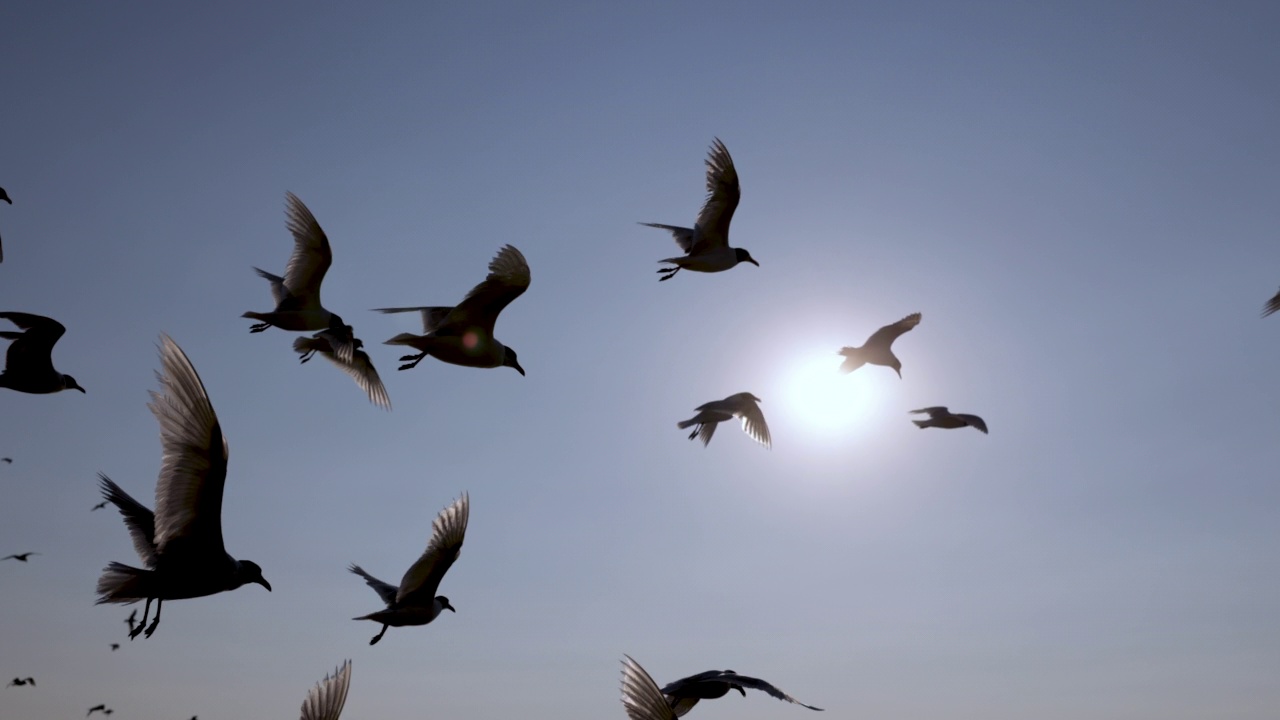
[70, 383]
[444, 603]
[247, 571]
[509, 360]
[744, 256]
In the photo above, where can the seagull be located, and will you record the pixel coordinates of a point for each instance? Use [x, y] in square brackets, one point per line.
[463, 335]
[415, 602]
[941, 417]
[706, 244]
[357, 365]
[684, 693]
[640, 694]
[1272, 305]
[742, 405]
[115, 646]
[20, 557]
[28, 365]
[99, 506]
[5, 197]
[876, 350]
[133, 617]
[19, 682]
[181, 542]
[325, 700]
[98, 708]
[7, 461]
[297, 294]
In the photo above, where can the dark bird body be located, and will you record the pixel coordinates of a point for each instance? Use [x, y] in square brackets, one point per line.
[940, 417]
[877, 350]
[684, 693]
[28, 365]
[20, 557]
[181, 542]
[19, 682]
[98, 708]
[741, 405]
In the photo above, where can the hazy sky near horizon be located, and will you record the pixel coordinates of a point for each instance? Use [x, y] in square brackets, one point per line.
[1080, 197]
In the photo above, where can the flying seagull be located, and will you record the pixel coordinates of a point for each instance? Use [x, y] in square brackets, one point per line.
[5, 197]
[742, 405]
[684, 693]
[415, 602]
[325, 700]
[876, 350]
[706, 244]
[132, 620]
[181, 542]
[1272, 305]
[297, 294]
[20, 557]
[7, 461]
[463, 335]
[99, 506]
[941, 417]
[358, 365]
[28, 365]
[115, 646]
[640, 694]
[19, 682]
[99, 708]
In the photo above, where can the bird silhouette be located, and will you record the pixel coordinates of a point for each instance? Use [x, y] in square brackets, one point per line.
[116, 646]
[297, 294]
[706, 244]
[640, 694]
[19, 682]
[1272, 305]
[98, 708]
[28, 364]
[877, 349]
[940, 417]
[415, 602]
[99, 506]
[5, 197]
[181, 542]
[742, 405]
[132, 620]
[20, 557]
[356, 364]
[684, 693]
[463, 334]
[7, 461]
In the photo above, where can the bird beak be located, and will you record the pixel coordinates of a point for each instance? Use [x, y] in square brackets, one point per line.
[753, 262]
[899, 373]
[449, 607]
[521, 371]
[263, 582]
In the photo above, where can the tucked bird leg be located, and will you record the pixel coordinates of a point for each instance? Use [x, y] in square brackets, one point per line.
[415, 360]
[308, 355]
[136, 630]
[152, 627]
[259, 327]
[670, 273]
[378, 637]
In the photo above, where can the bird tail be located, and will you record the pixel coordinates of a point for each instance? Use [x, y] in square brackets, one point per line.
[686, 424]
[922, 424]
[123, 584]
[305, 345]
[10, 335]
[260, 317]
[404, 339]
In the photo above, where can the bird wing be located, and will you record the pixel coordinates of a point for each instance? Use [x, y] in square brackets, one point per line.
[685, 685]
[758, 684]
[33, 348]
[193, 467]
[753, 422]
[420, 581]
[683, 236]
[934, 411]
[356, 364]
[385, 590]
[887, 334]
[431, 316]
[973, 421]
[723, 193]
[507, 280]
[140, 521]
[1272, 305]
[311, 254]
[640, 694]
[326, 699]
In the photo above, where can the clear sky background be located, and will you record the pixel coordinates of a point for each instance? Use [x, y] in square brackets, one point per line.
[1080, 197]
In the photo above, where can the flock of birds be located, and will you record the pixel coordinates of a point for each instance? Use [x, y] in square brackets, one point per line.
[180, 542]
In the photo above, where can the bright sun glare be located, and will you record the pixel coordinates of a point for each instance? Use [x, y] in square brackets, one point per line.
[827, 401]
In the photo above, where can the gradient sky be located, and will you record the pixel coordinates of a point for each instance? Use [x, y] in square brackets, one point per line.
[1080, 197]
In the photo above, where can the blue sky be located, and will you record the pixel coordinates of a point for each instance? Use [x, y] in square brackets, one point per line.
[1079, 197]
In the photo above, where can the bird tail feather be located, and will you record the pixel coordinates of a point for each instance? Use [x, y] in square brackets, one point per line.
[922, 424]
[123, 584]
[686, 424]
[403, 339]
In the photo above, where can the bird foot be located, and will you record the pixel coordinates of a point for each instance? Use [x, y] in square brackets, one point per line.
[307, 356]
[374, 640]
[151, 628]
[136, 631]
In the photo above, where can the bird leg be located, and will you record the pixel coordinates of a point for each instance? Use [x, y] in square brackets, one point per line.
[695, 432]
[415, 360]
[307, 356]
[378, 637]
[671, 272]
[136, 630]
[259, 327]
[152, 627]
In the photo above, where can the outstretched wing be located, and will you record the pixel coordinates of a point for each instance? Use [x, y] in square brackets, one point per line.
[193, 467]
[1272, 305]
[311, 253]
[683, 236]
[723, 193]
[758, 684]
[973, 421]
[508, 279]
[431, 316]
[140, 521]
[935, 411]
[326, 699]
[385, 590]
[753, 423]
[419, 584]
[356, 364]
[32, 349]
[885, 336]
[640, 694]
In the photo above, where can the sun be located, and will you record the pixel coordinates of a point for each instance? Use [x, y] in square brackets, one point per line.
[826, 401]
